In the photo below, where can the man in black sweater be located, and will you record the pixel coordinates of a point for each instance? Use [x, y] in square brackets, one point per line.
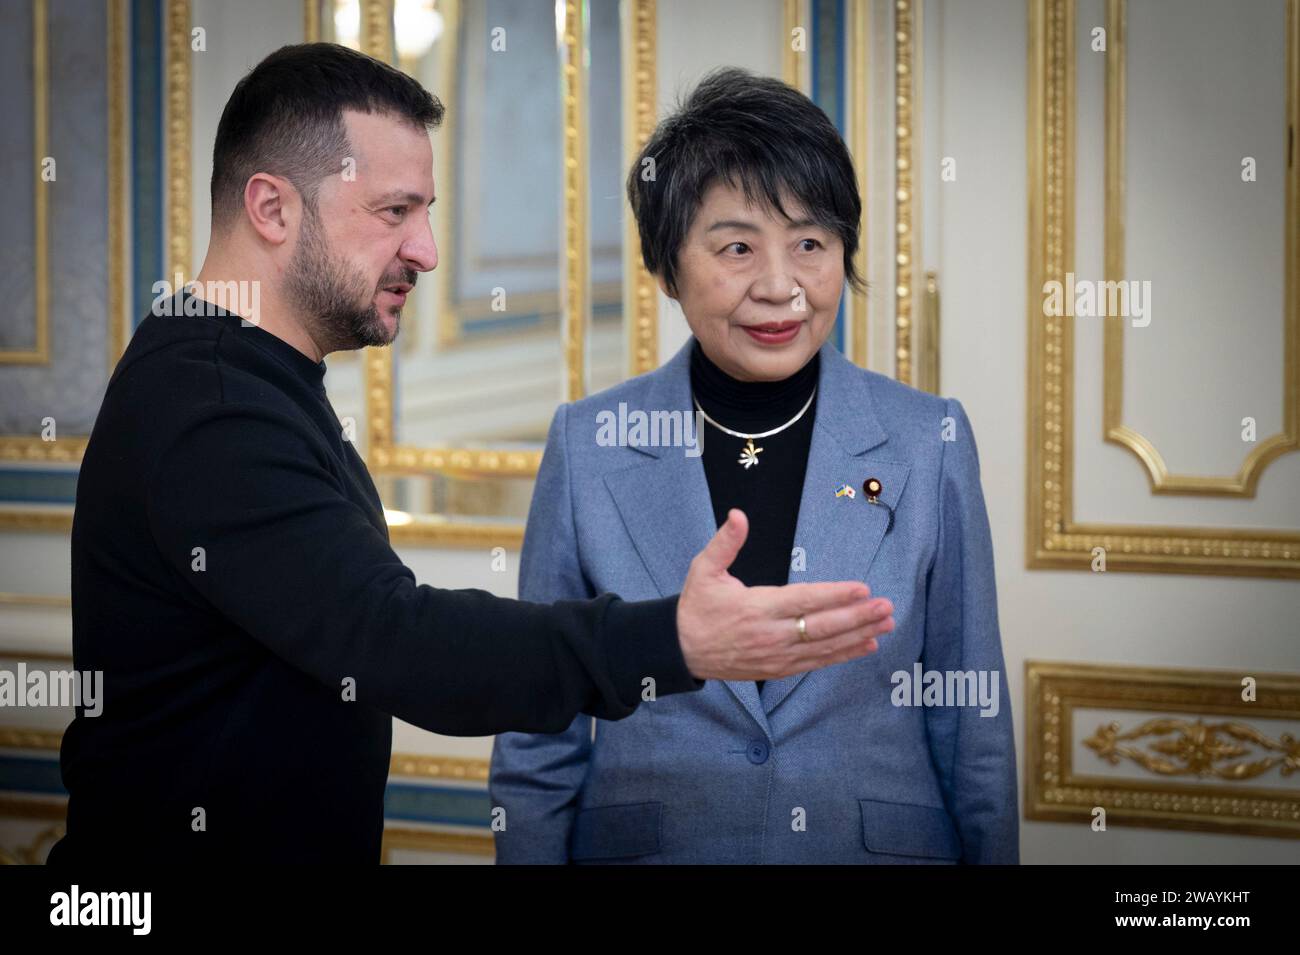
[231, 569]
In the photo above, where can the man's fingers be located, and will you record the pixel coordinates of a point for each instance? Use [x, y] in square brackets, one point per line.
[849, 646]
[721, 552]
[831, 623]
[795, 600]
[853, 651]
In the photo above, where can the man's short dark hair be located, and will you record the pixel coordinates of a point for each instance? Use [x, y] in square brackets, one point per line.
[286, 118]
[757, 134]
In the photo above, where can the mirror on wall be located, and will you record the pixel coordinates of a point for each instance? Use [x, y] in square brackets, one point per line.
[480, 361]
[487, 349]
[539, 297]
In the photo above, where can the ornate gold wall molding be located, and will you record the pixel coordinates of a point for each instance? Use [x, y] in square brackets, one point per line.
[377, 29]
[24, 807]
[640, 101]
[178, 105]
[1053, 538]
[44, 656]
[1180, 747]
[39, 353]
[68, 449]
[310, 21]
[32, 853]
[421, 766]
[448, 320]
[927, 365]
[36, 600]
[1196, 743]
[41, 109]
[859, 14]
[429, 840]
[1243, 483]
[33, 449]
[46, 519]
[21, 737]
[573, 98]
[904, 93]
[118, 199]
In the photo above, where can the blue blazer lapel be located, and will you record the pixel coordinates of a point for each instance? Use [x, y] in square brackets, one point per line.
[666, 508]
[840, 536]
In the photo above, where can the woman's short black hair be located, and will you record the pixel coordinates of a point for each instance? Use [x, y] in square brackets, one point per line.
[758, 134]
[286, 118]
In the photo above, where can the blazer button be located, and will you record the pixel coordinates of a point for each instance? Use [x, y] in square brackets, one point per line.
[758, 751]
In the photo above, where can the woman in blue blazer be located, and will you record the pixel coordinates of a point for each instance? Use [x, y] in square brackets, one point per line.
[748, 212]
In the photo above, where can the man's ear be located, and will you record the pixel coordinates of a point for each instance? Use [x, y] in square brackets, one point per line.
[270, 204]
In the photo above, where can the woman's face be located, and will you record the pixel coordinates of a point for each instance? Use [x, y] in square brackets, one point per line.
[760, 292]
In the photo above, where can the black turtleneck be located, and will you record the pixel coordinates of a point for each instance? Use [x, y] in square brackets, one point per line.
[232, 579]
[769, 491]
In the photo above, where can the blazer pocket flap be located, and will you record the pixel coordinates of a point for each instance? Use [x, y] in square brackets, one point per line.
[614, 832]
[907, 829]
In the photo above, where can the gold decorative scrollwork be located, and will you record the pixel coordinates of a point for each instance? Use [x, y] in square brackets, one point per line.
[1222, 800]
[1195, 748]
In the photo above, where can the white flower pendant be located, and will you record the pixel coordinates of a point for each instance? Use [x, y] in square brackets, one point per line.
[749, 456]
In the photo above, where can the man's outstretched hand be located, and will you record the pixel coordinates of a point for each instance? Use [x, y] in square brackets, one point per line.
[732, 632]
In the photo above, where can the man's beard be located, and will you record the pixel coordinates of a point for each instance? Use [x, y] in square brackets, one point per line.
[326, 289]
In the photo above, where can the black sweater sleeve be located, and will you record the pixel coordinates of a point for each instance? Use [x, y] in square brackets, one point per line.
[289, 559]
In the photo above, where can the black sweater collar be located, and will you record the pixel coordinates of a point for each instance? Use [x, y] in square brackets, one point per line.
[311, 372]
[750, 405]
